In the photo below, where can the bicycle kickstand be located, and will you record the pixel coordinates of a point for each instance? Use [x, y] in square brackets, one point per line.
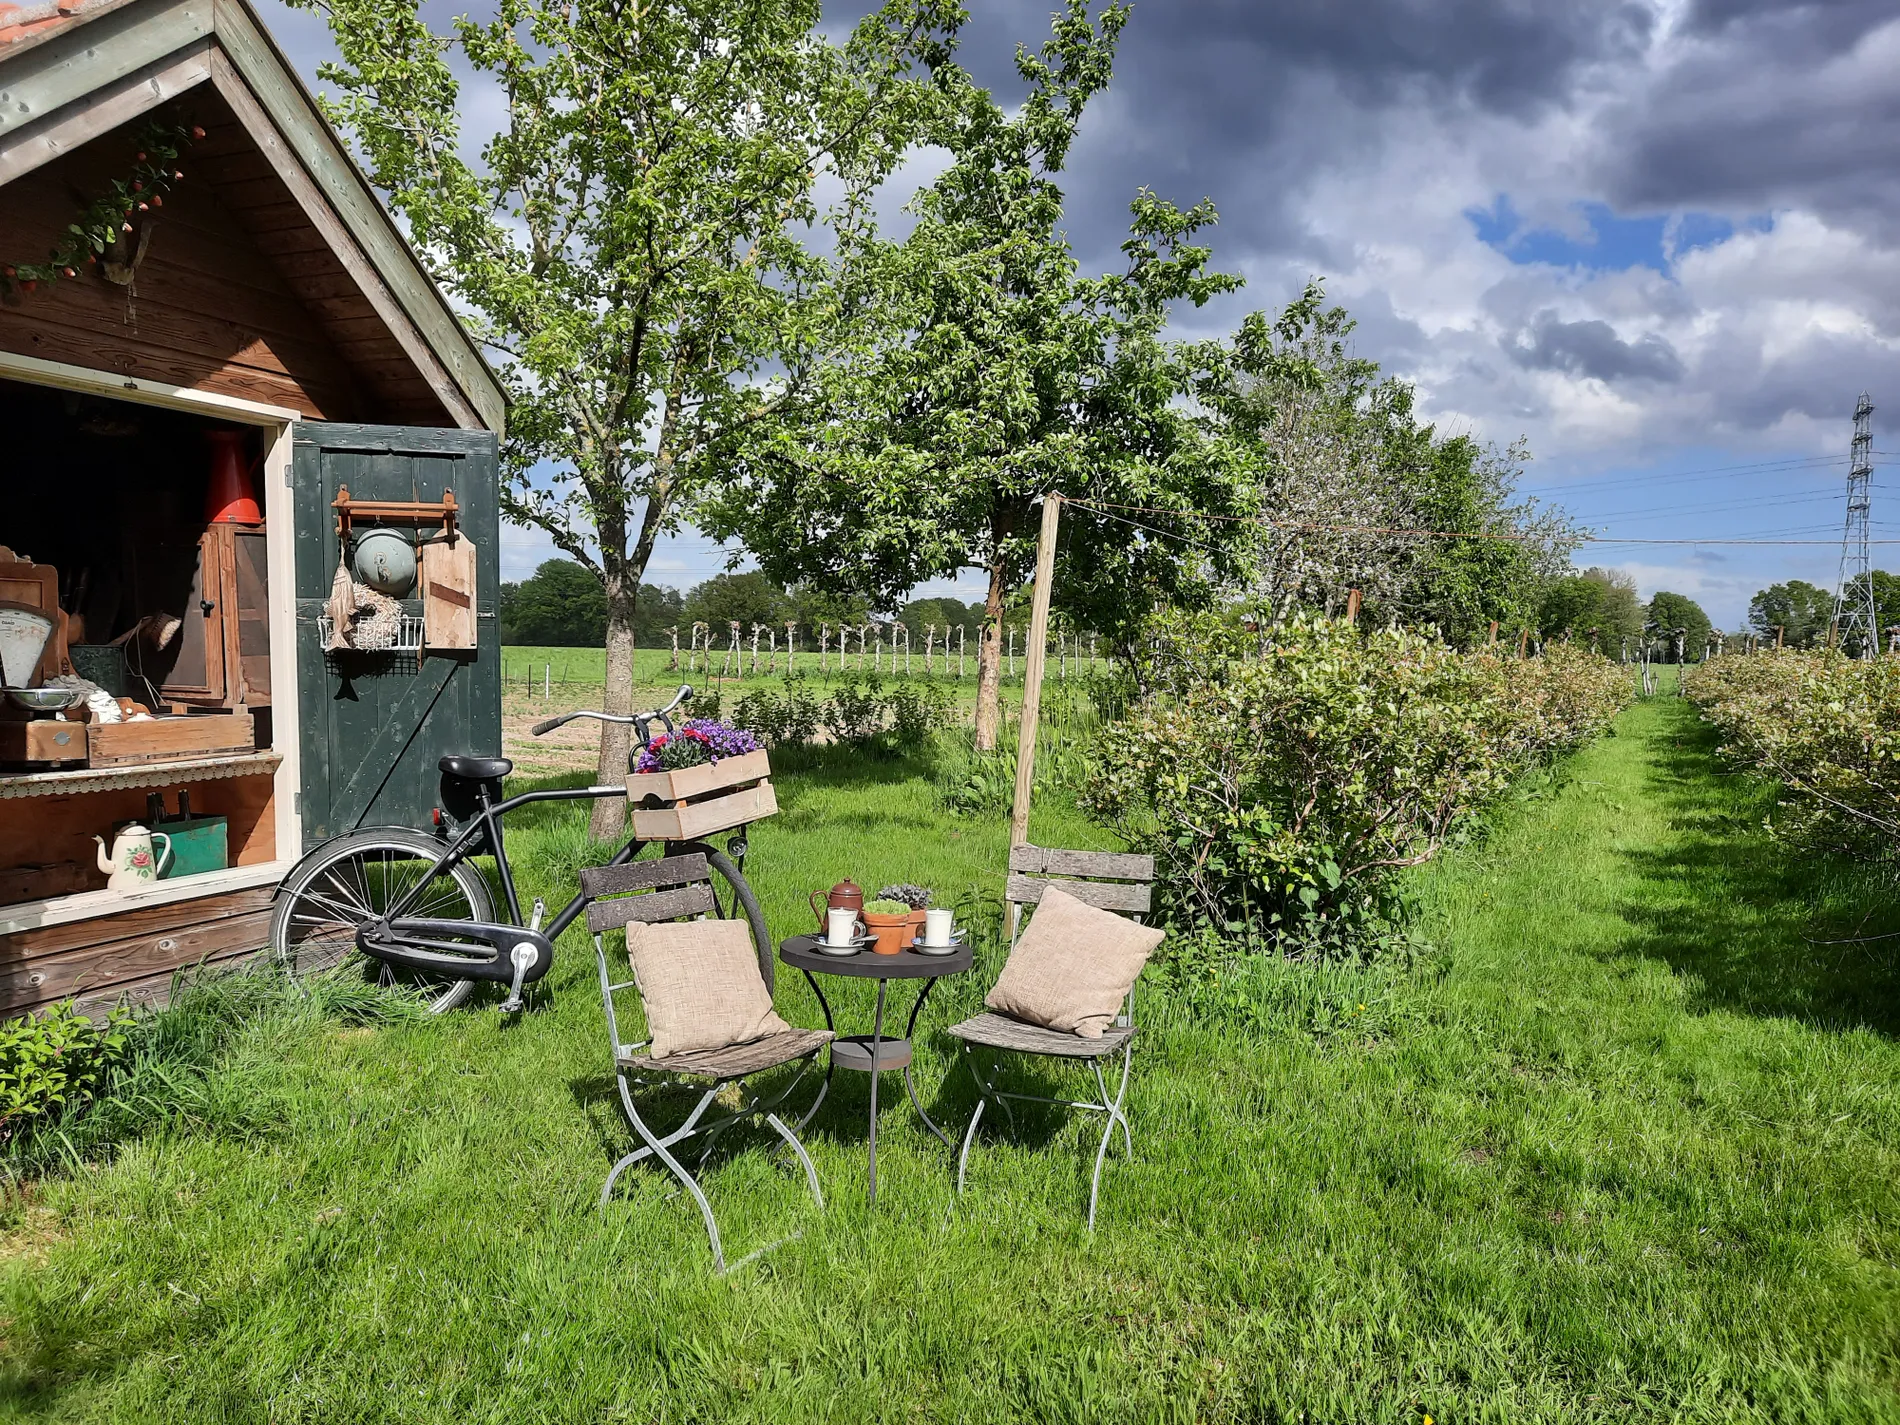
[523, 956]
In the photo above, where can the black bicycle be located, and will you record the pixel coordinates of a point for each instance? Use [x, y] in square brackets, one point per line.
[412, 908]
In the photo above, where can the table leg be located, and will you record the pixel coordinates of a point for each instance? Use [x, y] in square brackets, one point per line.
[877, 1038]
[830, 1066]
[910, 1085]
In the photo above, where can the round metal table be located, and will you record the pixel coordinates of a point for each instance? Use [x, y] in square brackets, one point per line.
[874, 1053]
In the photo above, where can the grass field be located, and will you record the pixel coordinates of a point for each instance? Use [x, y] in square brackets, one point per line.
[1624, 1144]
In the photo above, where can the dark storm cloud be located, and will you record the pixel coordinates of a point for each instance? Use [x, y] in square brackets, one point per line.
[1247, 101]
[1768, 105]
[1593, 349]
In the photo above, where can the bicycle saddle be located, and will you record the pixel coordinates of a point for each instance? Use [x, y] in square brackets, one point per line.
[476, 769]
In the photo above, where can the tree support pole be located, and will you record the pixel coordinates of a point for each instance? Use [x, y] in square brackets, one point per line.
[1032, 681]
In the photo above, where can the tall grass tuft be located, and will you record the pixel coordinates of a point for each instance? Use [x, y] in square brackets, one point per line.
[180, 1070]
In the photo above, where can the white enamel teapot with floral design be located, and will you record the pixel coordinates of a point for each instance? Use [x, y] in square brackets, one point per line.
[132, 863]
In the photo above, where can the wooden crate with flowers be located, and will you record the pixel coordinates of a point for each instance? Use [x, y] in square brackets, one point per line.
[708, 776]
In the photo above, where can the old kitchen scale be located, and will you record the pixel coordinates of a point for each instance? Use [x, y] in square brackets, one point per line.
[24, 632]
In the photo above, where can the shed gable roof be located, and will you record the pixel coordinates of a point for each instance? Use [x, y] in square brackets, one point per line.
[89, 66]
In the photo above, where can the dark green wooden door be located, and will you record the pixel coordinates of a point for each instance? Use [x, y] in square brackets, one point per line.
[374, 724]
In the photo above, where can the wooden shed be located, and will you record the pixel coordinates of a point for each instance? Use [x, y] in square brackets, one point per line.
[198, 423]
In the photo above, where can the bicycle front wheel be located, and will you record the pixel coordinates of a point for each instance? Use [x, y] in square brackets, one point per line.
[356, 878]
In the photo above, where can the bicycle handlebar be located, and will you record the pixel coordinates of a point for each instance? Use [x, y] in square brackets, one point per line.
[541, 729]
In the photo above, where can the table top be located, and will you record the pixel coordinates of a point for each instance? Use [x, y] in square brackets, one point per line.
[802, 953]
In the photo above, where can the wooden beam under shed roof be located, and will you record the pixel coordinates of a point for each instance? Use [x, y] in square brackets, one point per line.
[292, 183]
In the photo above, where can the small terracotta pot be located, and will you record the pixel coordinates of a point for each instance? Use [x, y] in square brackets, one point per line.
[892, 931]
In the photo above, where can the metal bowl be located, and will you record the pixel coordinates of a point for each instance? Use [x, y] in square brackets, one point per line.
[45, 700]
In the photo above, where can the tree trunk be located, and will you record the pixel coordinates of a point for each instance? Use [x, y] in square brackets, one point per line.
[609, 817]
[989, 659]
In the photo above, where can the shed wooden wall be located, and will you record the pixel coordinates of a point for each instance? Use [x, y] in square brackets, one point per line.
[132, 955]
[238, 293]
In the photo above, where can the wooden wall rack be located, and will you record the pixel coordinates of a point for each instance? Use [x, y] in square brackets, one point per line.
[349, 509]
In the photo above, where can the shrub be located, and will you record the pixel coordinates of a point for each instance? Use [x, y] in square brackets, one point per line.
[1282, 788]
[1826, 726]
[53, 1065]
[916, 711]
[781, 719]
[856, 711]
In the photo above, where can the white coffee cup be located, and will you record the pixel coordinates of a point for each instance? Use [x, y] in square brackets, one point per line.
[937, 928]
[841, 926]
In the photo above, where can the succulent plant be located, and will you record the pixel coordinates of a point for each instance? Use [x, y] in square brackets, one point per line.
[886, 907]
[914, 896]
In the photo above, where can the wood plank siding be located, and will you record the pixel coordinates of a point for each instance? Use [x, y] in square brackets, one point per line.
[132, 955]
[238, 294]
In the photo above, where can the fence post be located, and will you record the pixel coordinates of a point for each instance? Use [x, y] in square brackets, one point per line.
[1032, 682]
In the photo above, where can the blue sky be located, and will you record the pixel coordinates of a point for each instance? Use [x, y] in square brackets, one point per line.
[1659, 240]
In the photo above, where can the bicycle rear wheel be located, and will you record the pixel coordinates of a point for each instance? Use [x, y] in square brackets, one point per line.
[356, 878]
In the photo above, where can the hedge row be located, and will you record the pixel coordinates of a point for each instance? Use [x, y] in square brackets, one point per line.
[1283, 787]
[1826, 726]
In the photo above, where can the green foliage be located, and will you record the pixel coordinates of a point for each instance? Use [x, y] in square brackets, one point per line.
[857, 708]
[886, 907]
[1339, 460]
[1281, 789]
[1668, 612]
[563, 605]
[917, 709]
[636, 244]
[1828, 728]
[747, 598]
[1798, 608]
[1597, 608]
[996, 373]
[782, 718]
[677, 753]
[53, 1064]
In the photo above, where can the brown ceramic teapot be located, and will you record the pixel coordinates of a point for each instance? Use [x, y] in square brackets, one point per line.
[846, 895]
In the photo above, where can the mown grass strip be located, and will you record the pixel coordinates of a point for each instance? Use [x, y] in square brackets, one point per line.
[1621, 1146]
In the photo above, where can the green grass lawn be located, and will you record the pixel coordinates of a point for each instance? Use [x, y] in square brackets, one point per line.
[1623, 1145]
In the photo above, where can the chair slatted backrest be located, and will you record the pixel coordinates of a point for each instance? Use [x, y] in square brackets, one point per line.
[647, 891]
[1108, 880]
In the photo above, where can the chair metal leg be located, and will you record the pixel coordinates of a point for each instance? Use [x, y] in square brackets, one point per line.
[969, 1137]
[686, 1179]
[1115, 1116]
[811, 1173]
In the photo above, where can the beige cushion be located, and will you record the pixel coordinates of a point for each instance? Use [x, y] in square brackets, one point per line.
[700, 983]
[1073, 966]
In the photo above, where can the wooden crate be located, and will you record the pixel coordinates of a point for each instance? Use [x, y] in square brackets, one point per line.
[170, 739]
[42, 740]
[697, 801]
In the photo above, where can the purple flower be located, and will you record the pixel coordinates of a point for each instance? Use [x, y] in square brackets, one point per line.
[721, 739]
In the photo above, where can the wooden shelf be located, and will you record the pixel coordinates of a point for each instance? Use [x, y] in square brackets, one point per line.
[154, 774]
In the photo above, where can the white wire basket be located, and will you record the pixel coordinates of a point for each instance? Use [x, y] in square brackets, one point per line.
[408, 637]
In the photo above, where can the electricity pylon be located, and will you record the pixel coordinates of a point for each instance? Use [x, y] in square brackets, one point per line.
[1854, 611]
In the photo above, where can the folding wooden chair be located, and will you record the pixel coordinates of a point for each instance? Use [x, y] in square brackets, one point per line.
[676, 888]
[1108, 880]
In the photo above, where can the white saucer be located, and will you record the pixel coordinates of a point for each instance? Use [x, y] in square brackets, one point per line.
[824, 947]
[957, 938]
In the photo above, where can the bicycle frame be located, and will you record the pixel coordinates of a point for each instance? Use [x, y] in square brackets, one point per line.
[488, 822]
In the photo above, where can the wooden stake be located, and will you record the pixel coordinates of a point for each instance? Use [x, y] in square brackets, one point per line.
[1352, 606]
[1492, 640]
[1032, 680]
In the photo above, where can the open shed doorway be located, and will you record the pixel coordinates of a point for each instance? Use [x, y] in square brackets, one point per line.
[136, 536]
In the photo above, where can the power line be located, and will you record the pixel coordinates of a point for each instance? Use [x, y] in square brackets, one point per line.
[1106, 508]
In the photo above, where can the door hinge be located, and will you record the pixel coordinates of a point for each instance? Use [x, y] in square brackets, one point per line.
[296, 803]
